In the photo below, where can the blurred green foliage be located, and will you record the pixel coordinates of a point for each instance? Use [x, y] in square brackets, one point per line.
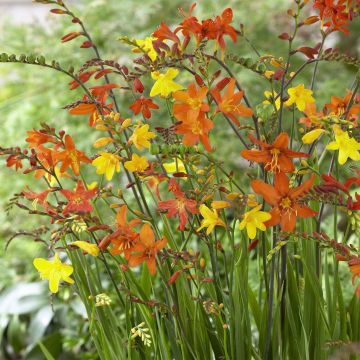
[30, 95]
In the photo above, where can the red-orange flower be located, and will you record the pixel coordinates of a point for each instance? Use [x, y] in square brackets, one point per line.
[40, 198]
[71, 157]
[286, 201]
[190, 25]
[124, 237]
[333, 14]
[222, 28]
[144, 105]
[164, 33]
[146, 249]
[78, 199]
[83, 78]
[178, 206]
[277, 157]
[229, 104]
[14, 160]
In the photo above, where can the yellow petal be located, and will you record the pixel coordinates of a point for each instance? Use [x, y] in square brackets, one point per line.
[91, 249]
[312, 135]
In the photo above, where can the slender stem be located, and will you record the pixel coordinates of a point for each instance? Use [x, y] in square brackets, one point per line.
[270, 304]
[317, 63]
[318, 225]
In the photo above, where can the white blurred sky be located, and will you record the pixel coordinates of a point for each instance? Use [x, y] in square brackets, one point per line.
[24, 11]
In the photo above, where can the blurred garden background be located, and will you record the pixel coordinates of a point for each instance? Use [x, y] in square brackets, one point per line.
[31, 95]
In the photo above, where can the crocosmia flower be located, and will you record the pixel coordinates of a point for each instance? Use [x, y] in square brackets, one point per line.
[54, 271]
[254, 219]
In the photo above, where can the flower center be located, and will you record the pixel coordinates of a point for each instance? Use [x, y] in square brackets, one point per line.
[194, 103]
[227, 106]
[285, 203]
[73, 156]
[273, 165]
[196, 128]
[77, 199]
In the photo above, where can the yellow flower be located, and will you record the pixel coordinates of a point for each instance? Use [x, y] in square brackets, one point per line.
[300, 96]
[147, 46]
[175, 166]
[348, 147]
[107, 164]
[54, 271]
[254, 219]
[211, 219]
[312, 135]
[268, 74]
[141, 137]
[91, 249]
[137, 163]
[164, 84]
[272, 95]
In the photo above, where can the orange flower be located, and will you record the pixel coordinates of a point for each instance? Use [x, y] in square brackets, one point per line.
[189, 104]
[190, 109]
[179, 206]
[229, 104]
[286, 201]
[354, 265]
[276, 156]
[196, 131]
[87, 106]
[47, 158]
[36, 138]
[78, 199]
[144, 105]
[338, 106]
[124, 237]
[146, 249]
[312, 116]
[71, 157]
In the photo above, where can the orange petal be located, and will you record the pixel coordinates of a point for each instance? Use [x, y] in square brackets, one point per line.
[281, 141]
[275, 217]
[288, 222]
[147, 236]
[282, 183]
[268, 192]
[298, 191]
[259, 156]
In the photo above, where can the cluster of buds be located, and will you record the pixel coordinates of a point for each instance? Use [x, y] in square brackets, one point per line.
[142, 332]
[212, 307]
[101, 300]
